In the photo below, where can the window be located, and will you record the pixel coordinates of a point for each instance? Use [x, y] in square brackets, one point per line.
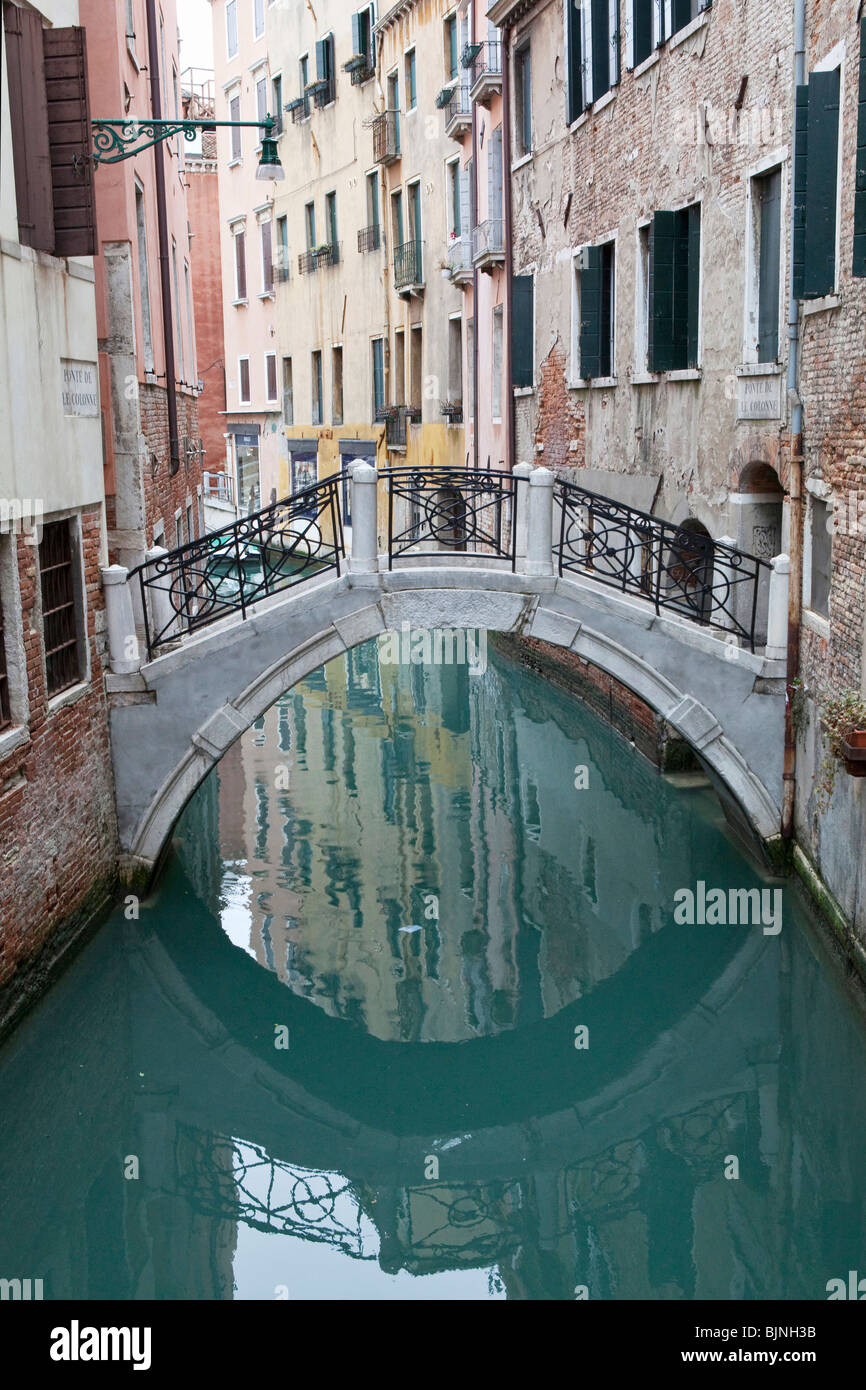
[592, 39]
[304, 71]
[674, 289]
[494, 179]
[178, 529]
[373, 200]
[325, 70]
[288, 393]
[454, 218]
[470, 373]
[765, 253]
[244, 380]
[277, 104]
[266, 238]
[497, 362]
[178, 322]
[816, 180]
[416, 365]
[455, 360]
[337, 386]
[377, 352]
[130, 26]
[642, 298]
[258, 18]
[859, 267]
[362, 28]
[414, 198]
[235, 115]
[271, 376]
[316, 369]
[394, 105]
[60, 616]
[643, 20]
[451, 68]
[331, 217]
[261, 104]
[240, 266]
[189, 533]
[399, 367]
[231, 28]
[411, 96]
[143, 279]
[522, 331]
[593, 312]
[190, 322]
[821, 556]
[682, 12]
[281, 259]
[523, 99]
[397, 218]
[310, 224]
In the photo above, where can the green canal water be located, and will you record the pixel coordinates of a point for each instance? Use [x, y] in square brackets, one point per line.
[410, 1016]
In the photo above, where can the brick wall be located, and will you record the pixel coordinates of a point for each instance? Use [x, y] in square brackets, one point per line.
[57, 820]
[165, 492]
[203, 203]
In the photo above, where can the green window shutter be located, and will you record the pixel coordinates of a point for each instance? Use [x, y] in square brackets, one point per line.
[860, 187]
[591, 281]
[321, 60]
[357, 41]
[768, 263]
[801, 149]
[819, 276]
[613, 22]
[693, 282]
[522, 330]
[661, 292]
[681, 14]
[599, 20]
[574, 89]
[642, 30]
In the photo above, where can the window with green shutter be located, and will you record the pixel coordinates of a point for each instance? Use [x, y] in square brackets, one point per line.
[642, 30]
[816, 182]
[859, 267]
[596, 300]
[522, 330]
[674, 289]
[574, 86]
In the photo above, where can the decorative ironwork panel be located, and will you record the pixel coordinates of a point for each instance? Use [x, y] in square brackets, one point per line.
[451, 509]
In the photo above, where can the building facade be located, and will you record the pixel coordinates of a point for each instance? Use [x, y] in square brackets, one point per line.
[146, 322]
[57, 820]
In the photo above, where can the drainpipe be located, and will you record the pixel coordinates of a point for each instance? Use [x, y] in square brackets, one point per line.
[795, 489]
[162, 226]
[509, 243]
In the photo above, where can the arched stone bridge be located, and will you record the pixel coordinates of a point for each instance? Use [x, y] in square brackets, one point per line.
[174, 714]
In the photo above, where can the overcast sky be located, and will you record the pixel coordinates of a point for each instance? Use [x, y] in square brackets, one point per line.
[196, 32]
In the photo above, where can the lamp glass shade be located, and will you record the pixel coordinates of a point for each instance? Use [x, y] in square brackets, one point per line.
[269, 162]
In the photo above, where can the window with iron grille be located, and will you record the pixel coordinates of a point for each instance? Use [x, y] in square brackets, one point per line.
[59, 609]
[5, 704]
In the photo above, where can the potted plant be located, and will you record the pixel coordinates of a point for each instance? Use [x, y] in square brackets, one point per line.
[843, 719]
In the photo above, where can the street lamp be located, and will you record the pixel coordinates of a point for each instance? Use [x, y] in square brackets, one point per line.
[114, 141]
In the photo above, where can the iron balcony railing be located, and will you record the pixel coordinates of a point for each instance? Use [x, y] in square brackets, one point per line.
[219, 487]
[488, 239]
[437, 510]
[370, 238]
[394, 417]
[386, 143]
[460, 256]
[676, 568]
[487, 61]
[459, 108]
[307, 263]
[299, 109]
[408, 264]
[325, 91]
[229, 570]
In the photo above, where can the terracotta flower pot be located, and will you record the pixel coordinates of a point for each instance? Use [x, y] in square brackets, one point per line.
[854, 753]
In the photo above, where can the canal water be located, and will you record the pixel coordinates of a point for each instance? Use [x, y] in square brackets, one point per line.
[411, 1015]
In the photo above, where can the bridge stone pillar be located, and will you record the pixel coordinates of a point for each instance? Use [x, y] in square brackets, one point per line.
[777, 616]
[365, 543]
[521, 511]
[162, 616]
[539, 556]
[123, 651]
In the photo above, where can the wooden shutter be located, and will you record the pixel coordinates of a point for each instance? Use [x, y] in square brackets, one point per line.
[801, 148]
[356, 35]
[70, 142]
[600, 49]
[28, 113]
[494, 175]
[522, 330]
[661, 292]
[768, 267]
[859, 267]
[681, 14]
[641, 31]
[819, 277]
[693, 282]
[321, 60]
[574, 88]
[591, 283]
[613, 30]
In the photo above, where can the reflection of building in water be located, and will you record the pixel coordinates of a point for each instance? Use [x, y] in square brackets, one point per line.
[373, 797]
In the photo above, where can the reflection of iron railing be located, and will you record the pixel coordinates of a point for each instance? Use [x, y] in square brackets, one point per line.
[458, 509]
[679, 569]
[229, 570]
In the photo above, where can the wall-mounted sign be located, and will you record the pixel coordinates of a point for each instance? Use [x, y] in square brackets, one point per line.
[80, 393]
[759, 397]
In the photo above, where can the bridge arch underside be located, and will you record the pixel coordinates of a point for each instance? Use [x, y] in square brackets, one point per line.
[195, 701]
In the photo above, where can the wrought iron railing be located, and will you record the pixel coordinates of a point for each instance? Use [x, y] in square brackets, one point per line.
[459, 107]
[460, 256]
[386, 145]
[219, 487]
[229, 570]
[408, 264]
[488, 238]
[325, 91]
[487, 61]
[307, 263]
[370, 238]
[395, 426]
[434, 510]
[674, 567]
[328, 253]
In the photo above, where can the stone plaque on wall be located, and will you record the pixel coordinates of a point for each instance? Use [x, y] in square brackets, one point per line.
[80, 391]
[759, 398]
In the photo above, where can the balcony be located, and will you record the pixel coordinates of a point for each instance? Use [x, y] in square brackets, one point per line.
[458, 113]
[361, 67]
[460, 260]
[307, 263]
[386, 139]
[453, 411]
[219, 487]
[409, 268]
[394, 417]
[485, 72]
[327, 254]
[370, 238]
[488, 245]
[323, 91]
[299, 109]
